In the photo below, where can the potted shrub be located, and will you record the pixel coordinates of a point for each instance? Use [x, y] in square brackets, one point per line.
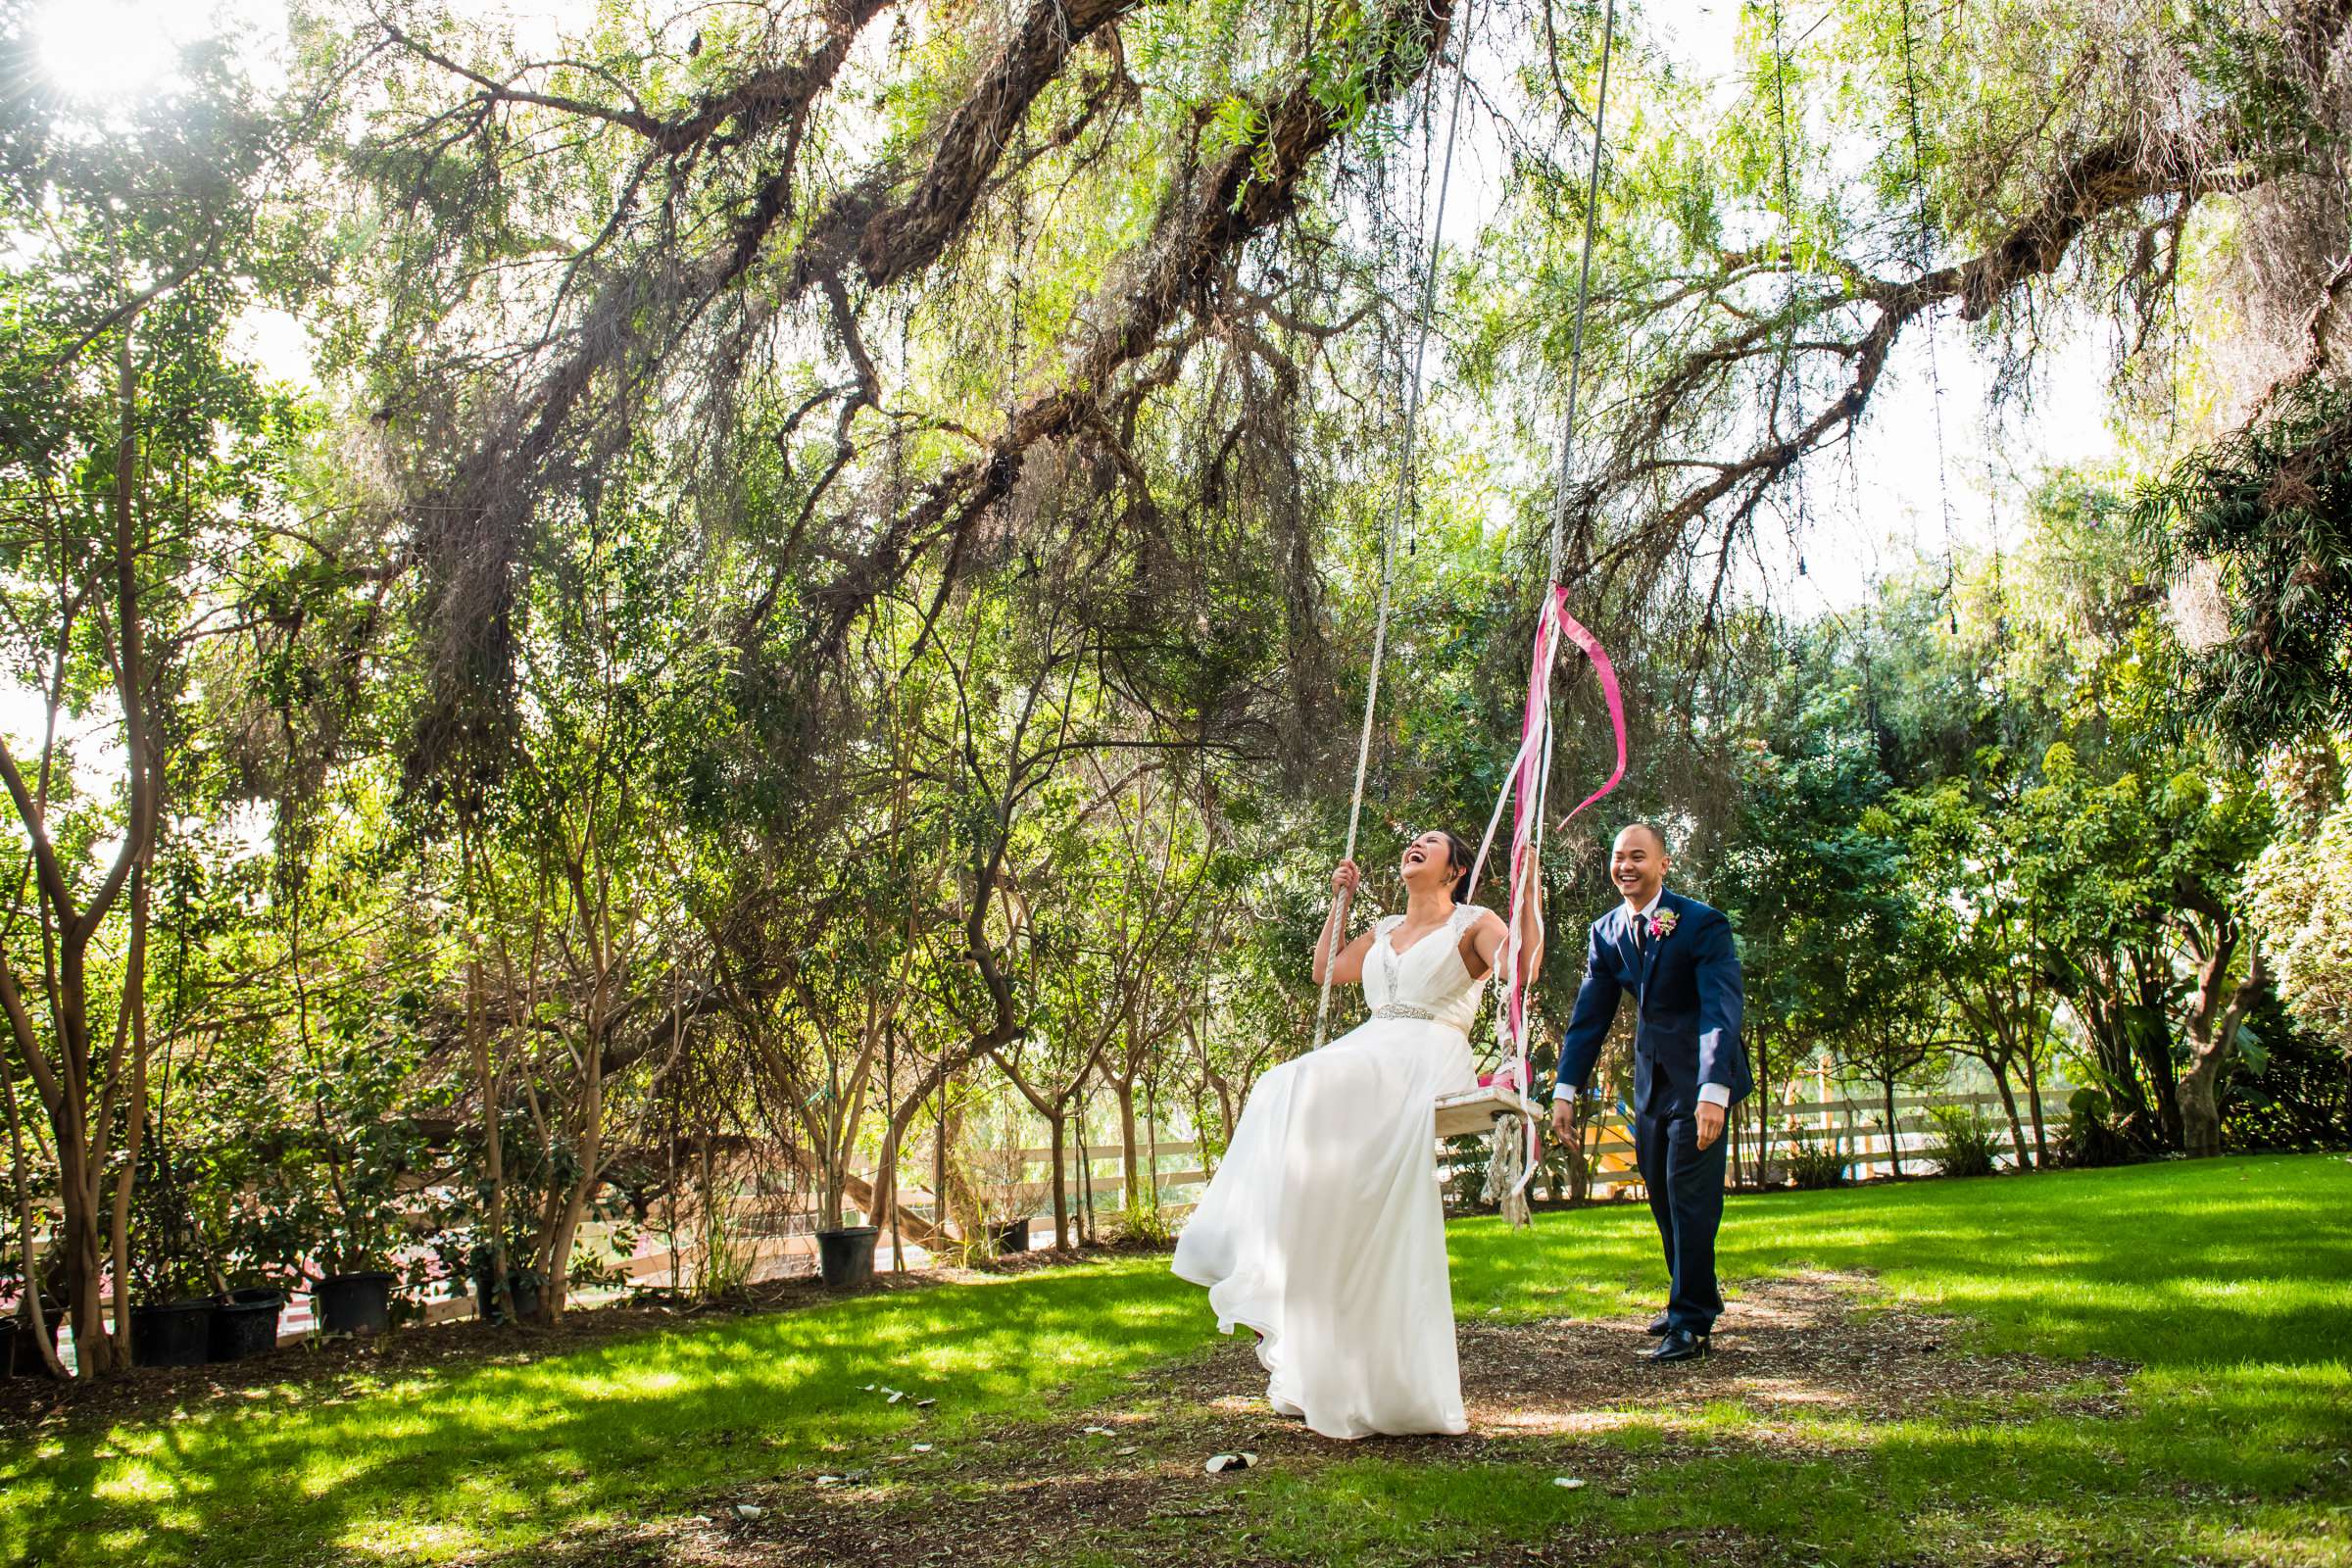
[246, 1323]
[171, 1312]
[19, 1346]
[173, 1288]
[343, 1183]
[846, 1256]
[997, 1170]
[522, 1285]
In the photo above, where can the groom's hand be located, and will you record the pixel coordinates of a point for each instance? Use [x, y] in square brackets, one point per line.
[1710, 1124]
[1563, 1120]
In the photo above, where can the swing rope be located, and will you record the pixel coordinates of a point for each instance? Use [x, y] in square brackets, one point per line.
[1529, 780]
[1397, 517]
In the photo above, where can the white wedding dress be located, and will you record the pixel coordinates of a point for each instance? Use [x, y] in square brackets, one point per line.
[1324, 1230]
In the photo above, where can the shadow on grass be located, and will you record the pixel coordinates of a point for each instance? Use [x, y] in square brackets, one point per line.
[495, 1457]
[2167, 1265]
[2230, 1282]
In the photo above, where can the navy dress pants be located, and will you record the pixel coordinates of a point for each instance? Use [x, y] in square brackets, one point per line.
[1685, 1199]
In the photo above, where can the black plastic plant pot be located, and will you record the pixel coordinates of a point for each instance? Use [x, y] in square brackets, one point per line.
[521, 1284]
[173, 1334]
[20, 1350]
[845, 1257]
[355, 1304]
[1014, 1238]
[246, 1324]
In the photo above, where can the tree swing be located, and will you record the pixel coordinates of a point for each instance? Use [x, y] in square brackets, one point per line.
[1501, 1104]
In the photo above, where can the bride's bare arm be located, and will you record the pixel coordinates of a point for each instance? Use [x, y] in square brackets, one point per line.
[1482, 943]
[1350, 969]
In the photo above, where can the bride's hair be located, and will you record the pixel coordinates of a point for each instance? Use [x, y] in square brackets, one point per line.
[1459, 856]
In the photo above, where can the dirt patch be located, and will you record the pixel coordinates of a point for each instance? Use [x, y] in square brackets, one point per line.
[1807, 1344]
[1544, 1392]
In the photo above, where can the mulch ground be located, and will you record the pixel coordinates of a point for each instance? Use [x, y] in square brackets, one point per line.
[1538, 1393]
[343, 1360]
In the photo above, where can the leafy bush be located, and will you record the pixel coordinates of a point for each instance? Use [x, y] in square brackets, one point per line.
[2289, 1086]
[2087, 1136]
[1972, 1143]
[1146, 1225]
[1815, 1161]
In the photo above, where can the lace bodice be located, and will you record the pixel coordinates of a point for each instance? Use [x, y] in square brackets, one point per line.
[1428, 980]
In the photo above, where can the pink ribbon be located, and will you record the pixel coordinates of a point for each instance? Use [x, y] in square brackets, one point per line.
[1527, 778]
[1607, 672]
[1523, 788]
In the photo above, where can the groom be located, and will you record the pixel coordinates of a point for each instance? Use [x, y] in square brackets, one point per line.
[1675, 954]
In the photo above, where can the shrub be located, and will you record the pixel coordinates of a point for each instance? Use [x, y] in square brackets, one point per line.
[2087, 1136]
[1972, 1143]
[1146, 1225]
[1815, 1161]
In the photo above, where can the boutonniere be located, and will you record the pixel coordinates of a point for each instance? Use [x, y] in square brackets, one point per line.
[1663, 923]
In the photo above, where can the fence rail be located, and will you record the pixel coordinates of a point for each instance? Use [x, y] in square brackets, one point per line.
[1853, 1123]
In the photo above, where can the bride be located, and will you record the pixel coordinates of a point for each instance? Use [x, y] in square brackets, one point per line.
[1323, 1230]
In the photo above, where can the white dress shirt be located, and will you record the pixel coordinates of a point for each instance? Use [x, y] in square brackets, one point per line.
[1709, 1094]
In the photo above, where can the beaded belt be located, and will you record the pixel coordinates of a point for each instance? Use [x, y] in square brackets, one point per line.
[1406, 1009]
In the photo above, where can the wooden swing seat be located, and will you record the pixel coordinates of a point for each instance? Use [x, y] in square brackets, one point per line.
[1476, 1110]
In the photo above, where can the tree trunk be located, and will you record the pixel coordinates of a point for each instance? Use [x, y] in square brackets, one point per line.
[2211, 1042]
[1061, 1186]
[1086, 1183]
[1894, 1131]
[939, 1160]
[2200, 1108]
[95, 1351]
[2017, 1130]
[883, 1205]
[591, 1125]
[494, 1164]
[1123, 1090]
[135, 1012]
[2041, 1138]
[34, 1313]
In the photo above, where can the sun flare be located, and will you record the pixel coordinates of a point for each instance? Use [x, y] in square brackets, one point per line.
[106, 48]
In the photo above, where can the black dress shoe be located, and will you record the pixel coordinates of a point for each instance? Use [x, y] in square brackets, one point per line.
[1658, 1327]
[1679, 1345]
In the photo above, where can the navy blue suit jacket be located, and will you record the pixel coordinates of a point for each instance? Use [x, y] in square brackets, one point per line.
[1687, 1001]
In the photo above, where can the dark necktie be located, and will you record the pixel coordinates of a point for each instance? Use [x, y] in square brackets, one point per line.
[1642, 936]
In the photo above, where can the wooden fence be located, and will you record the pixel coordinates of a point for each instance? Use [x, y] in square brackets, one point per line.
[1851, 1124]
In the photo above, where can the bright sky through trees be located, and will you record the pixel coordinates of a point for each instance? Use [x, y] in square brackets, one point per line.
[1867, 512]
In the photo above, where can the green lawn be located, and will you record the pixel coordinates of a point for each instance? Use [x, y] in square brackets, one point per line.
[2227, 1285]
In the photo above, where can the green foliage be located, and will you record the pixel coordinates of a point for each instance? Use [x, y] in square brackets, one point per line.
[1147, 1224]
[2294, 1091]
[618, 710]
[1967, 1143]
[1815, 1159]
[2087, 1137]
[2257, 524]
